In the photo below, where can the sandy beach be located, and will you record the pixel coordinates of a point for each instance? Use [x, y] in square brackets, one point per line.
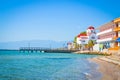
[109, 70]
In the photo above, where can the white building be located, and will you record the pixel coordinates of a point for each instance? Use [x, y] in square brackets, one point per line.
[90, 34]
[82, 39]
[70, 45]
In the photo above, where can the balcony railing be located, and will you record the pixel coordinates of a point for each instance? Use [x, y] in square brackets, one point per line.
[115, 37]
[114, 48]
[117, 29]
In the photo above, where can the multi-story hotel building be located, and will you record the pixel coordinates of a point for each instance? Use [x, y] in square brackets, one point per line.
[108, 34]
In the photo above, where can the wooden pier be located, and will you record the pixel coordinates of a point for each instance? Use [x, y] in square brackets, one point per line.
[46, 50]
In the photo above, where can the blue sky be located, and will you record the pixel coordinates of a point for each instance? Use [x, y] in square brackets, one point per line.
[58, 20]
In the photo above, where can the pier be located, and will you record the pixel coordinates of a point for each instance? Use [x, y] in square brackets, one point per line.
[46, 50]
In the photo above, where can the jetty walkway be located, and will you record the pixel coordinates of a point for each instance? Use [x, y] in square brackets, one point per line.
[47, 50]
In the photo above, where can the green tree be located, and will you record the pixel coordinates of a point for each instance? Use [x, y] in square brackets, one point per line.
[75, 39]
[84, 32]
[90, 44]
[75, 43]
[76, 46]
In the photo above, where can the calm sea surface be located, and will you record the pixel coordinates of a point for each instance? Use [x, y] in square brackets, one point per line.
[47, 66]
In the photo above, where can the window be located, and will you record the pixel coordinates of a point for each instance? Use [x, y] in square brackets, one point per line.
[119, 44]
[119, 34]
[119, 24]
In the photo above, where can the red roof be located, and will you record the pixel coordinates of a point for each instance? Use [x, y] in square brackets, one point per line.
[91, 27]
[82, 35]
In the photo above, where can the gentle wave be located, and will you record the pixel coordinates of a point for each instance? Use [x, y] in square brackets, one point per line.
[39, 66]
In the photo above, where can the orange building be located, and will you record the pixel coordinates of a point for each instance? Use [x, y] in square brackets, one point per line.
[117, 33]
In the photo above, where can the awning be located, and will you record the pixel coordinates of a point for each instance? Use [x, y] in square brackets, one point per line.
[118, 39]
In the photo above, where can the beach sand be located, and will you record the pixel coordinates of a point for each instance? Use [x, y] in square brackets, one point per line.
[109, 71]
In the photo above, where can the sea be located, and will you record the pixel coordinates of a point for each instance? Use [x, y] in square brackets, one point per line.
[15, 65]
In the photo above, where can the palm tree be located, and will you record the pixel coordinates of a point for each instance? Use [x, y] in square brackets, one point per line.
[75, 39]
[75, 42]
[90, 44]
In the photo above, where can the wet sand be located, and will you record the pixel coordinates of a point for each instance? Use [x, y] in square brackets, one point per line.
[109, 70]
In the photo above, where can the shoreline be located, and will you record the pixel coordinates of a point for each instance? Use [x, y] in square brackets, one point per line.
[109, 70]
[94, 53]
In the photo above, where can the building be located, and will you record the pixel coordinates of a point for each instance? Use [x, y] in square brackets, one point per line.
[70, 45]
[108, 35]
[82, 38]
[91, 33]
[117, 34]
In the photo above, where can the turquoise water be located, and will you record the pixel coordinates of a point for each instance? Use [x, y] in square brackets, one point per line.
[47, 66]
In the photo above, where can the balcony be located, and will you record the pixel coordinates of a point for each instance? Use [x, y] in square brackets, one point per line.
[117, 20]
[105, 31]
[115, 48]
[117, 29]
[115, 37]
[104, 40]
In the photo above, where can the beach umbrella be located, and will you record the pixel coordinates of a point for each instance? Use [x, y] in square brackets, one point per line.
[118, 39]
